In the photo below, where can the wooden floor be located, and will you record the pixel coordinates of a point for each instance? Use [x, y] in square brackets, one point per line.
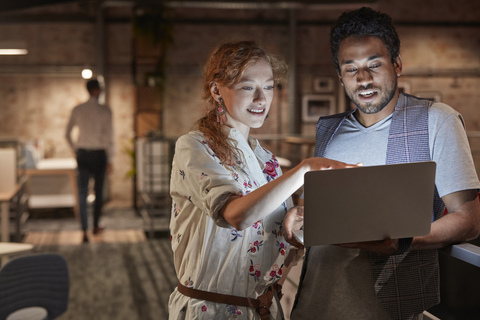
[72, 237]
[61, 227]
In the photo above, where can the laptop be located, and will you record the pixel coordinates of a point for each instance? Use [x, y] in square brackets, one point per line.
[368, 203]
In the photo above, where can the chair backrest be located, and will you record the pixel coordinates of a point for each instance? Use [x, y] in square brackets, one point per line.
[38, 280]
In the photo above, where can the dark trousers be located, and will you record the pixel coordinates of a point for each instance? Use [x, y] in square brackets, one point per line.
[90, 163]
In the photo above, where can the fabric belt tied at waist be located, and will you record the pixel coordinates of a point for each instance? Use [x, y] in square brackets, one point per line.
[261, 304]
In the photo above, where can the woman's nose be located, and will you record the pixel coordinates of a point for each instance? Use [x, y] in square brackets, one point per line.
[260, 96]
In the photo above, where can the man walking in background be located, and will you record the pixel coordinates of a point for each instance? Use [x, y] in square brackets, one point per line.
[93, 150]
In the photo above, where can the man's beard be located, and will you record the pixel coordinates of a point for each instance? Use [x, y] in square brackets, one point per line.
[387, 95]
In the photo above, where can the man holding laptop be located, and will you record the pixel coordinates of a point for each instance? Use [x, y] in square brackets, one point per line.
[393, 278]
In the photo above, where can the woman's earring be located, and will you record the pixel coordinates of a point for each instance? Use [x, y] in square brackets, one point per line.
[221, 116]
[266, 117]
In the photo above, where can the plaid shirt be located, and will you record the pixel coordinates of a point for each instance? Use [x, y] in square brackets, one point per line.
[407, 283]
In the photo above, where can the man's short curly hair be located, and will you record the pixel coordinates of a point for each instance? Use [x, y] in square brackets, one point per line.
[364, 22]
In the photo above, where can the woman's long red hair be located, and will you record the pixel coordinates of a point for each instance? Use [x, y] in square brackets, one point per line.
[226, 66]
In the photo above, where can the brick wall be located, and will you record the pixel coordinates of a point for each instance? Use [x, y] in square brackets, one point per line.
[39, 90]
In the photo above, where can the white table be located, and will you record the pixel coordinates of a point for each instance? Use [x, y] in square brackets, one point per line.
[55, 167]
[8, 248]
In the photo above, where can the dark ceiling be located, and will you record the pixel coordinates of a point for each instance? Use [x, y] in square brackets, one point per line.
[10, 5]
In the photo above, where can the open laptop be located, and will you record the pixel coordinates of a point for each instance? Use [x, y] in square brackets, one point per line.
[368, 203]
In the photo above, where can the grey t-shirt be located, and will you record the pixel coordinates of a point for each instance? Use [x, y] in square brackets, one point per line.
[338, 283]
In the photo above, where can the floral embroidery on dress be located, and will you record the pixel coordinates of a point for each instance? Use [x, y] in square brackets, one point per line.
[254, 270]
[203, 175]
[182, 173]
[204, 308]
[281, 248]
[235, 176]
[230, 163]
[210, 151]
[235, 235]
[188, 283]
[247, 184]
[204, 142]
[276, 272]
[176, 210]
[245, 172]
[255, 246]
[270, 169]
[259, 226]
[233, 312]
[178, 237]
[278, 233]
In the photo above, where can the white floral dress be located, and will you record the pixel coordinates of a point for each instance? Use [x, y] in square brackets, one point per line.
[209, 254]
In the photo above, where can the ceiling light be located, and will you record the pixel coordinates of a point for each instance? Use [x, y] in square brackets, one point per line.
[13, 48]
[87, 74]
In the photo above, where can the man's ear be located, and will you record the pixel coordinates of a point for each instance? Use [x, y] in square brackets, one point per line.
[215, 92]
[340, 79]
[397, 64]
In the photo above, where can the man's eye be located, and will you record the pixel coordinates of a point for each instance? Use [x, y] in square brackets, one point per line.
[269, 88]
[350, 70]
[373, 66]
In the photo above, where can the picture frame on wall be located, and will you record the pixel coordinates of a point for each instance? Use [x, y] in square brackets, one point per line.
[316, 105]
[434, 96]
[323, 84]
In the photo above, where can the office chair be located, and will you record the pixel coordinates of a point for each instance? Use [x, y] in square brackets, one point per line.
[33, 281]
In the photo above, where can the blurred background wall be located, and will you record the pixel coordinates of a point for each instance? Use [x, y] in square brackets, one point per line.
[154, 88]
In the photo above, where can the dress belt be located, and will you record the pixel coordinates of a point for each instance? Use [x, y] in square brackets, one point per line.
[261, 304]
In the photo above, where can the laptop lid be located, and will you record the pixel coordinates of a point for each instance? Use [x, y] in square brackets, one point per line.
[368, 203]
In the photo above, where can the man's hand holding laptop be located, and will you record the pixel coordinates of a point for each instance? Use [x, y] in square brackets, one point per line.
[294, 221]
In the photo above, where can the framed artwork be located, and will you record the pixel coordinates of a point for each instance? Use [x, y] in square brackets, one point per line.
[323, 84]
[317, 105]
[430, 95]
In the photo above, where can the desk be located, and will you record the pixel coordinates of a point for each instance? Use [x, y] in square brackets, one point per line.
[5, 198]
[56, 167]
[8, 248]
